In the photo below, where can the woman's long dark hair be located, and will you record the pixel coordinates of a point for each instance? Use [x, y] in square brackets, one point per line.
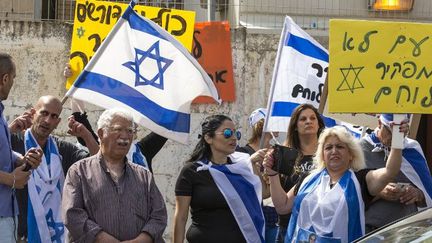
[293, 140]
[208, 127]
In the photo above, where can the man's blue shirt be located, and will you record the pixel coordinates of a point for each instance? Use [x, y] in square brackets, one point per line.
[7, 161]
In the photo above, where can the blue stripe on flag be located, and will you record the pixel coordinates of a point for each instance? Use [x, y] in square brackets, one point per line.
[247, 194]
[352, 202]
[303, 192]
[417, 162]
[169, 119]
[283, 108]
[328, 122]
[32, 227]
[306, 47]
[138, 23]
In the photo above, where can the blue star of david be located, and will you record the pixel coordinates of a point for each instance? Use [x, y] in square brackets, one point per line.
[58, 227]
[162, 65]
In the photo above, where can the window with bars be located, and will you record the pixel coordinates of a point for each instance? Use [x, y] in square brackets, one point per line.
[309, 14]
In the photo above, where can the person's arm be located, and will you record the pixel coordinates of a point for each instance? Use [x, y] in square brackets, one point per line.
[157, 222]
[180, 218]
[77, 129]
[412, 194]
[150, 145]
[256, 160]
[22, 122]
[6, 178]
[33, 157]
[17, 179]
[282, 201]
[377, 179]
[104, 237]
[75, 216]
[144, 237]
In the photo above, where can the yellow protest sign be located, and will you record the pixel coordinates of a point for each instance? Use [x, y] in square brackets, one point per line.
[94, 20]
[378, 67]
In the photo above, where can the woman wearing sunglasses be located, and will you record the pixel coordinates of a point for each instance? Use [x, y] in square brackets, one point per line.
[219, 187]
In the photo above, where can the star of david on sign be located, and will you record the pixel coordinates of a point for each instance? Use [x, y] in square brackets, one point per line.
[80, 32]
[162, 64]
[350, 83]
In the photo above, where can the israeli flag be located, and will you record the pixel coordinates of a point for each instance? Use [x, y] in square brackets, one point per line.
[242, 191]
[415, 168]
[45, 185]
[330, 214]
[298, 77]
[142, 68]
[136, 156]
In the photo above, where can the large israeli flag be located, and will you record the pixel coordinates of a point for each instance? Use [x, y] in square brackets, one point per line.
[298, 77]
[142, 68]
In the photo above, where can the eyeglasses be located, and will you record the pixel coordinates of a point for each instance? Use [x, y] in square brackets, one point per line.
[228, 132]
[118, 129]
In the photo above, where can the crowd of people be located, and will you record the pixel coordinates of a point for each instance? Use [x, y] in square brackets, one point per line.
[336, 188]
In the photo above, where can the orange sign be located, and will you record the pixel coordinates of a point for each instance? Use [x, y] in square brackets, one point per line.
[212, 49]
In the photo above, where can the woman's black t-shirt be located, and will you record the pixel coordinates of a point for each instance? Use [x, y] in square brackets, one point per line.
[212, 219]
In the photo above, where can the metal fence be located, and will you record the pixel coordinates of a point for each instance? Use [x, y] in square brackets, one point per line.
[310, 14]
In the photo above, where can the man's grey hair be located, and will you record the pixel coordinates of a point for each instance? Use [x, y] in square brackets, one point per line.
[107, 116]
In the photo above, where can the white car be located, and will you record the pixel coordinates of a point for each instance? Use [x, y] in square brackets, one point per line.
[413, 228]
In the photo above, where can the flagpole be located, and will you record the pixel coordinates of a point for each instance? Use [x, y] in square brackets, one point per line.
[272, 87]
[99, 51]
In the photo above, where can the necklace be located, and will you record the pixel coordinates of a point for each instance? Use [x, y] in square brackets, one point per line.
[332, 185]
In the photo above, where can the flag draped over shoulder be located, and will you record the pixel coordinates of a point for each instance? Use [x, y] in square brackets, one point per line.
[44, 220]
[298, 77]
[142, 68]
[242, 190]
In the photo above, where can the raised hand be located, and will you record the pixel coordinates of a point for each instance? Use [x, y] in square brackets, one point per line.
[67, 71]
[22, 122]
[33, 157]
[20, 177]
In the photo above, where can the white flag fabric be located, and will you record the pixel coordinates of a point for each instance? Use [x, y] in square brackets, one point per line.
[333, 215]
[142, 68]
[298, 77]
[45, 185]
[242, 191]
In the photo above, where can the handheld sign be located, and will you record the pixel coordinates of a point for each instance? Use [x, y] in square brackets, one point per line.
[93, 21]
[378, 67]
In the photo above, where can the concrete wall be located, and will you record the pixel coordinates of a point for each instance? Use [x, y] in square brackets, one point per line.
[40, 51]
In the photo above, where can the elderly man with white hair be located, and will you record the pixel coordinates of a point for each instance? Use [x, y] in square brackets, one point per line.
[107, 198]
[412, 187]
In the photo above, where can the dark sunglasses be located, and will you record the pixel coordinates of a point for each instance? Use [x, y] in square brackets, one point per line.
[228, 132]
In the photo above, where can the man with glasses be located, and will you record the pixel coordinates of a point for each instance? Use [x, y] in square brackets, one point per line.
[107, 198]
[412, 188]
